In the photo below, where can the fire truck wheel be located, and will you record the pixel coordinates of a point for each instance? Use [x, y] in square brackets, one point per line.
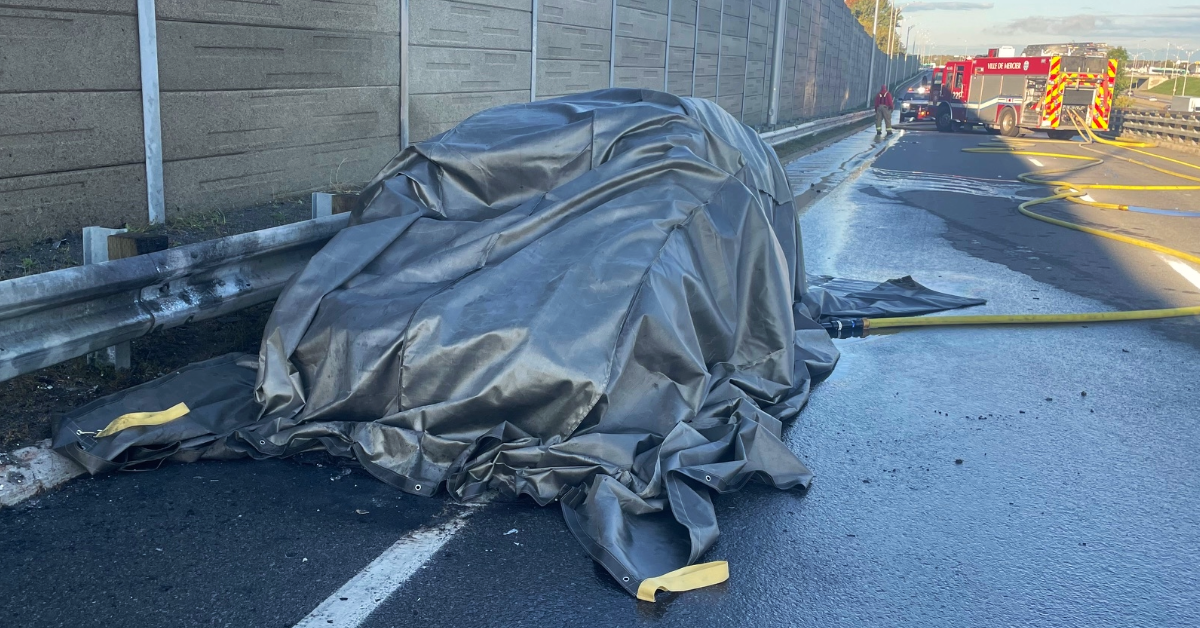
[1008, 123]
[944, 121]
[1060, 135]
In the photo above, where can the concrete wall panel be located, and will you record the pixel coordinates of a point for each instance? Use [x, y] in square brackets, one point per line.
[681, 60]
[731, 66]
[196, 57]
[731, 84]
[594, 13]
[706, 86]
[653, 6]
[561, 41]
[648, 78]
[679, 83]
[752, 110]
[434, 113]
[761, 16]
[641, 24]
[683, 34]
[206, 124]
[642, 53]
[380, 16]
[733, 46]
[41, 51]
[734, 26]
[557, 78]
[465, 25]
[53, 204]
[755, 73]
[52, 132]
[684, 11]
[708, 43]
[732, 104]
[758, 34]
[122, 7]
[448, 70]
[737, 8]
[710, 20]
[234, 181]
[706, 65]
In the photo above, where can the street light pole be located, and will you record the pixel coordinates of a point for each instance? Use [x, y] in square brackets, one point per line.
[1135, 58]
[1174, 76]
[1187, 69]
[874, 47]
[887, 74]
[907, 34]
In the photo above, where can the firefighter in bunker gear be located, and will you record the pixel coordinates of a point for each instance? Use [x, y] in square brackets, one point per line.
[883, 110]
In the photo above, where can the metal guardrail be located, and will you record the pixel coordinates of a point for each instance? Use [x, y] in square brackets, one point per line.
[53, 317]
[782, 136]
[1172, 129]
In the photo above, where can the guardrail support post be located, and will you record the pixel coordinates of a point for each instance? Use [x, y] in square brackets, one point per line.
[95, 251]
[327, 204]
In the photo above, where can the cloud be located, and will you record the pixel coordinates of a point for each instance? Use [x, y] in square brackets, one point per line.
[1179, 21]
[1070, 25]
[946, 6]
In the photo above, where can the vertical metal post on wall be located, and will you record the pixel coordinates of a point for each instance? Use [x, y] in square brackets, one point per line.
[533, 54]
[667, 55]
[151, 116]
[746, 60]
[777, 63]
[796, 62]
[404, 74]
[695, 47]
[720, 45]
[612, 48]
[874, 47]
[887, 74]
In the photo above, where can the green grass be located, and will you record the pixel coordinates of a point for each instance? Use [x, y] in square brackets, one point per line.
[1193, 87]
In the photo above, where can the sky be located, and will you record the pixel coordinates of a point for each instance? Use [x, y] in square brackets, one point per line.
[1144, 26]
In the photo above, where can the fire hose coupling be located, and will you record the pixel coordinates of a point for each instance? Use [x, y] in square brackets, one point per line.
[842, 328]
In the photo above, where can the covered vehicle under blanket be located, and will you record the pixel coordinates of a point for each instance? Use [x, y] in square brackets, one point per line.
[598, 300]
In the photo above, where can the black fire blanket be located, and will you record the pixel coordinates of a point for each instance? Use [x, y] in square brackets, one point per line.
[598, 300]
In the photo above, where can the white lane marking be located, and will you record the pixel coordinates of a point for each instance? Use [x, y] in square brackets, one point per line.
[1088, 198]
[1036, 163]
[350, 605]
[1186, 271]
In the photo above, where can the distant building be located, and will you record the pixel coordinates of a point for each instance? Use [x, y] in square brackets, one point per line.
[1072, 49]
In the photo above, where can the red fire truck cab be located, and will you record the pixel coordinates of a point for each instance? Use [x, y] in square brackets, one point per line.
[1007, 94]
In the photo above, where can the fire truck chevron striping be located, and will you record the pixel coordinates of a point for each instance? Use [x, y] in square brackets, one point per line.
[1053, 94]
[1104, 95]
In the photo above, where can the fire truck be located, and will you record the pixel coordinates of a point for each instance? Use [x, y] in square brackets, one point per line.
[1007, 94]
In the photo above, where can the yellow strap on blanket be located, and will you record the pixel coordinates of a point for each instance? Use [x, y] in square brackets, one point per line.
[142, 419]
[686, 579]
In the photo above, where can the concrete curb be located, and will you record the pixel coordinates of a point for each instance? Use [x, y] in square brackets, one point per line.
[29, 471]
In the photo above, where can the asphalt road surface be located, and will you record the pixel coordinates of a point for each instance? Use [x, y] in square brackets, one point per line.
[1035, 476]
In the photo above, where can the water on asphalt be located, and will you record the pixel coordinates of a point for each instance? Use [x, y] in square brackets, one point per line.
[1034, 476]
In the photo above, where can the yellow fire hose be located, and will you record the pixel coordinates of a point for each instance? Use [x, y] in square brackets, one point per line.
[1076, 193]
